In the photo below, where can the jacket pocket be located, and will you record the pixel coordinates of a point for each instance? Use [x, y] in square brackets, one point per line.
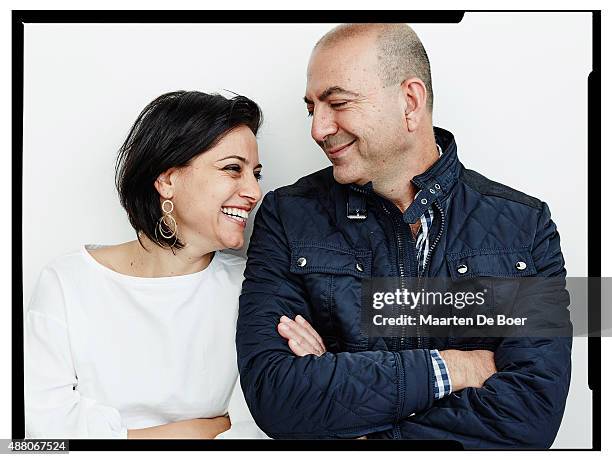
[332, 276]
[319, 258]
[500, 263]
[494, 271]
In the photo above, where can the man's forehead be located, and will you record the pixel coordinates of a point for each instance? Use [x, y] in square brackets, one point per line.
[349, 68]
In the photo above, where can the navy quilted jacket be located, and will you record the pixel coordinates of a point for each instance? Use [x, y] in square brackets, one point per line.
[383, 387]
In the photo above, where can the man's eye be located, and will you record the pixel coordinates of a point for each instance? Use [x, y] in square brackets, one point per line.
[258, 175]
[310, 111]
[337, 105]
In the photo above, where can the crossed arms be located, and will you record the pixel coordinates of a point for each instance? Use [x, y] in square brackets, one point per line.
[385, 393]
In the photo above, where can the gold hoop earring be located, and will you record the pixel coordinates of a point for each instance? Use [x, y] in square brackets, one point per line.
[167, 221]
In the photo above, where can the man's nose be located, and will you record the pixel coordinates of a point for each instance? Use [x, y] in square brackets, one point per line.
[323, 124]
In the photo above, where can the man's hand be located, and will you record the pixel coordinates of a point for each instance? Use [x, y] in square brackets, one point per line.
[303, 339]
[469, 368]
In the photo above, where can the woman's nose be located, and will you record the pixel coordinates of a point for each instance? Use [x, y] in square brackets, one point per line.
[251, 190]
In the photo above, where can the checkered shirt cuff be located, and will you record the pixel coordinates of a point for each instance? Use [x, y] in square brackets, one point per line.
[442, 381]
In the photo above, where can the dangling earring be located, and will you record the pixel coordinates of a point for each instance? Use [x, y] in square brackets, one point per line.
[167, 221]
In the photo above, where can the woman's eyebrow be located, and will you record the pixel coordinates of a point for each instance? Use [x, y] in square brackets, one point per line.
[243, 159]
[237, 157]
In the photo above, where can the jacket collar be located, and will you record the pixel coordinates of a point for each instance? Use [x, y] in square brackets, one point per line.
[434, 184]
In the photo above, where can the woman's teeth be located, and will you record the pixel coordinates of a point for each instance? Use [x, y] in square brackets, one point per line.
[238, 214]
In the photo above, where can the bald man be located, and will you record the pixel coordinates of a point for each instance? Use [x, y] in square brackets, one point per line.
[396, 202]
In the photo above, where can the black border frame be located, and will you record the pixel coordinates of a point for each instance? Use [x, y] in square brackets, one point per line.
[21, 17]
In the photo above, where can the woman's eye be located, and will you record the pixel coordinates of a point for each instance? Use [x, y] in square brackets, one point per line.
[258, 175]
[233, 168]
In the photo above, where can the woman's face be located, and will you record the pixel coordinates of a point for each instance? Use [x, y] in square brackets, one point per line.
[214, 195]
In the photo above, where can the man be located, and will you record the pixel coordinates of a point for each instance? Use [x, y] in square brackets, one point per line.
[370, 95]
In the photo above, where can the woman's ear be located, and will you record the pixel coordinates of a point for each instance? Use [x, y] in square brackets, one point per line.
[165, 183]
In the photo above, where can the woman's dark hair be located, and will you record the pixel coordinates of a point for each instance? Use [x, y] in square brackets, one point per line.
[170, 132]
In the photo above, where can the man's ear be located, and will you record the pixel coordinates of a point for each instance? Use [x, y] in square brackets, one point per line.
[165, 183]
[414, 93]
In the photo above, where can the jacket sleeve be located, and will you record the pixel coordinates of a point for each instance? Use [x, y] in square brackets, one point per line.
[342, 395]
[243, 425]
[522, 405]
[54, 407]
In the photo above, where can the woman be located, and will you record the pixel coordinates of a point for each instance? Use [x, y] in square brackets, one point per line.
[136, 340]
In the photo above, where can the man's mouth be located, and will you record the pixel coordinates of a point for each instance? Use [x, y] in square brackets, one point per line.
[236, 214]
[338, 151]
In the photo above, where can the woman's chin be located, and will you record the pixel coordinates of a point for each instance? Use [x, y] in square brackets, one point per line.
[233, 242]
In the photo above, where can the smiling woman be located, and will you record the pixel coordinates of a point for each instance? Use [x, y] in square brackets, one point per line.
[162, 158]
[214, 193]
[136, 340]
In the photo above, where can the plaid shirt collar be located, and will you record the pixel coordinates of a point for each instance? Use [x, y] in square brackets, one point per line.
[422, 238]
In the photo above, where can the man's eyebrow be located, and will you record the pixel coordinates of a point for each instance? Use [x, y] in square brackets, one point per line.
[332, 90]
[243, 159]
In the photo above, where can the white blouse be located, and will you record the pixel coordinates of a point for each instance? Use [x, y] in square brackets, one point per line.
[107, 352]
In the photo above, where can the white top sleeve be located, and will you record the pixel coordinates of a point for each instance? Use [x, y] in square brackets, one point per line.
[54, 408]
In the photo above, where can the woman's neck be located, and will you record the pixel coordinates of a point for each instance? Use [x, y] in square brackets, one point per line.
[152, 261]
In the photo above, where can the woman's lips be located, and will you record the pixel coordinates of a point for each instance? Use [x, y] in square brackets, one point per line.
[336, 153]
[236, 220]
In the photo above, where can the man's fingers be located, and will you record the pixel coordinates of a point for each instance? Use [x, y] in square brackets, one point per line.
[290, 330]
[302, 321]
[301, 348]
[306, 336]
[297, 348]
[304, 347]
[285, 331]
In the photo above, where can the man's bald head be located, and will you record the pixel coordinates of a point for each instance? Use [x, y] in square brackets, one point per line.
[400, 53]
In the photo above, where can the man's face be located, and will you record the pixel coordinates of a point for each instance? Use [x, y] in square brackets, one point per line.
[359, 124]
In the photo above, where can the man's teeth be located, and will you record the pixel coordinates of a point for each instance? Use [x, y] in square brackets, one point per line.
[235, 212]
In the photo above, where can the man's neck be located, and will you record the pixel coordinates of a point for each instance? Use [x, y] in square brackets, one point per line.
[399, 188]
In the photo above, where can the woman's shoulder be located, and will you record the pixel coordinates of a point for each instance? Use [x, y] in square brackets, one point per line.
[72, 261]
[55, 281]
[109, 256]
[84, 265]
[230, 259]
[233, 264]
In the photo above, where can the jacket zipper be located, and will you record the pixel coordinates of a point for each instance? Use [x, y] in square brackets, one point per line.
[398, 342]
[401, 257]
[421, 276]
[402, 271]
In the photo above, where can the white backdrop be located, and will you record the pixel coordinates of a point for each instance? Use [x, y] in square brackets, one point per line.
[512, 87]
